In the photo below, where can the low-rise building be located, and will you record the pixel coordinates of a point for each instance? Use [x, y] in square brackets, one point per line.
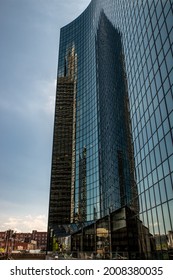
[10, 240]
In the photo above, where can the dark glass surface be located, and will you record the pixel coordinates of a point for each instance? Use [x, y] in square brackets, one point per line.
[122, 144]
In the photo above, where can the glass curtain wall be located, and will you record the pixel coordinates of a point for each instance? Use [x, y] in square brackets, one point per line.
[121, 118]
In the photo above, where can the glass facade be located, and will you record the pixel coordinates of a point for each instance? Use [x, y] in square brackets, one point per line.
[113, 138]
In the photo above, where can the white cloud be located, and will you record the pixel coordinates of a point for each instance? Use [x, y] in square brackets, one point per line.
[40, 96]
[47, 91]
[43, 101]
[25, 223]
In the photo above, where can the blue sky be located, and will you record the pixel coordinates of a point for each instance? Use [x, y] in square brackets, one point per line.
[29, 40]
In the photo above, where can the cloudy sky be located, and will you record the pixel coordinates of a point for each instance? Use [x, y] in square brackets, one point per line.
[29, 40]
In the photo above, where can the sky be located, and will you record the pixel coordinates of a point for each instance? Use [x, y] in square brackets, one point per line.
[29, 42]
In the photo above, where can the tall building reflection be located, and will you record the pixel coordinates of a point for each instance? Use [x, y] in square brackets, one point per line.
[63, 156]
[116, 157]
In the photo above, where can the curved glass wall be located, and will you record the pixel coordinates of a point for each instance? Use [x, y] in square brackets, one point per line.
[118, 55]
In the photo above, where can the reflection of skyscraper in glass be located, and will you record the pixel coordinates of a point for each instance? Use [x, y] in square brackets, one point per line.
[82, 210]
[63, 146]
[117, 122]
[116, 156]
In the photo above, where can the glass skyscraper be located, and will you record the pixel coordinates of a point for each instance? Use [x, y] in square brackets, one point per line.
[113, 138]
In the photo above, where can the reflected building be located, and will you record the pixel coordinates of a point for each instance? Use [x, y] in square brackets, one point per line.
[82, 210]
[63, 157]
[113, 141]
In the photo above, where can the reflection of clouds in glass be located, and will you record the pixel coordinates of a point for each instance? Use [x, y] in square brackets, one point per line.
[155, 224]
